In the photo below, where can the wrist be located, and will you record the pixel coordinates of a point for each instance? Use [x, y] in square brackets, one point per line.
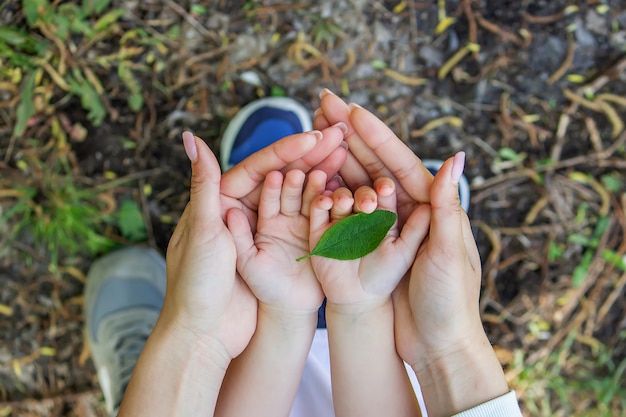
[358, 309]
[458, 378]
[287, 319]
[187, 342]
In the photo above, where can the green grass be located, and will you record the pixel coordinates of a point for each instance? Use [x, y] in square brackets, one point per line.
[577, 385]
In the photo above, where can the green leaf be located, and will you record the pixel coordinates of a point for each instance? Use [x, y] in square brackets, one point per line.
[108, 19]
[355, 236]
[509, 154]
[580, 272]
[612, 182]
[95, 6]
[34, 9]
[277, 91]
[135, 101]
[198, 9]
[26, 108]
[89, 99]
[614, 258]
[130, 221]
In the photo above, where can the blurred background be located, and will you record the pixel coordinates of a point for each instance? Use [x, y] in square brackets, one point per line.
[94, 95]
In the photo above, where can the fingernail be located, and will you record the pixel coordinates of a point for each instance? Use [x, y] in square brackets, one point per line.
[353, 106]
[189, 142]
[342, 126]
[344, 144]
[317, 113]
[458, 164]
[318, 134]
[325, 92]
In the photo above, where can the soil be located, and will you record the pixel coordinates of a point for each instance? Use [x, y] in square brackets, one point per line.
[508, 94]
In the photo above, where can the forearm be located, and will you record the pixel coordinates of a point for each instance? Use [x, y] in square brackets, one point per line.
[176, 374]
[461, 379]
[368, 376]
[264, 379]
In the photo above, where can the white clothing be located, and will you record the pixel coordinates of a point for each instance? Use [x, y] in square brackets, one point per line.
[314, 397]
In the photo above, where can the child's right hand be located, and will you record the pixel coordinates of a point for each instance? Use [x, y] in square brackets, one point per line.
[370, 280]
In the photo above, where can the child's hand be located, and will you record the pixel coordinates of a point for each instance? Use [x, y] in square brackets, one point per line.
[370, 280]
[268, 262]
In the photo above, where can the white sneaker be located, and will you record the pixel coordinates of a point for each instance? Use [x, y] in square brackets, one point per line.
[123, 298]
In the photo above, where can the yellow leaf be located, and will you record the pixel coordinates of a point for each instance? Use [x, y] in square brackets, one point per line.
[405, 79]
[444, 24]
[576, 78]
[531, 118]
[17, 368]
[6, 310]
[603, 9]
[47, 351]
[579, 177]
[399, 8]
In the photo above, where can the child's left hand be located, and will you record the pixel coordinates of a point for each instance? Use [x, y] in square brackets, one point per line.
[371, 279]
[267, 262]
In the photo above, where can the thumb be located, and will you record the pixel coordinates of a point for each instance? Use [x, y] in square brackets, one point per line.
[205, 178]
[446, 228]
[239, 228]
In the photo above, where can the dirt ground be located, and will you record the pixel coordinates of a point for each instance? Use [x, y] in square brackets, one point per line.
[532, 91]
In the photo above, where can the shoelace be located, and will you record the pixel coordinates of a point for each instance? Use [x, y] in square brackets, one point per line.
[131, 336]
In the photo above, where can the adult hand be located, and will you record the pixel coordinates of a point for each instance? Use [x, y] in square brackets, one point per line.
[438, 325]
[374, 152]
[204, 294]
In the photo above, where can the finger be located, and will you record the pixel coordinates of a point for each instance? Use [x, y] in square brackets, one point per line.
[315, 186]
[332, 139]
[353, 172]
[405, 167]
[244, 178]
[335, 182]
[336, 110]
[180, 230]
[446, 230]
[319, 218]
[333, 162]
[320, 121]
[269, 203]
[242, 236]
[291, 195]
[470, 244]
[342, 204]
[385, 190]
[204, 196]
[413, 233]
[365, 200]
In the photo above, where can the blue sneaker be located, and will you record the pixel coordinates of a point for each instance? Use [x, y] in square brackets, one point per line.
[259, 124]
[124, 294]
[433, 166]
